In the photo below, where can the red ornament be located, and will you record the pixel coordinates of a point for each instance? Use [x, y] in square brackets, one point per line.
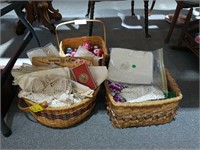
[98, 52]
[88, 46]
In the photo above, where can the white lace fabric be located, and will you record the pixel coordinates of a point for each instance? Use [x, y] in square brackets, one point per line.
[51, 85]
[57, 91]
[141, 93]
[54, 84]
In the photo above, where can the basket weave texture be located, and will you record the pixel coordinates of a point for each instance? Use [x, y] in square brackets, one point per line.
[74, 43]
[63, 117]
[130, 114]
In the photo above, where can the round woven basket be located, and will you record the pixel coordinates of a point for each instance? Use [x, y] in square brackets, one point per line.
[62, 117]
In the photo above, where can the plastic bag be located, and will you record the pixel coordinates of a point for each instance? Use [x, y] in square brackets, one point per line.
[137, 67]
[131, 66]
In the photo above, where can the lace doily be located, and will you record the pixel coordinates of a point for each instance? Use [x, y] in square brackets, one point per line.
[140, 93]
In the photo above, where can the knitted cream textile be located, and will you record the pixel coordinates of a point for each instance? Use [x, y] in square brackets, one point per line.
[141, 93]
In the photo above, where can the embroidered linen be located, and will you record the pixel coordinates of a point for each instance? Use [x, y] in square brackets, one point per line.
[81, 89]
[140, 93]
[24, 80]
[53, 89]
[27, 68]
[130, 66]
[52, 85]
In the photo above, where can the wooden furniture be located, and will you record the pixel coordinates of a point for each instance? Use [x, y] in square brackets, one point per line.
[180, 5]
[6, 81]
[147, 12]
[43, 11]
[132, 7]
[189, 32]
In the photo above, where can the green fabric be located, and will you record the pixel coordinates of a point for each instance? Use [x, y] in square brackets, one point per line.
[170, 95]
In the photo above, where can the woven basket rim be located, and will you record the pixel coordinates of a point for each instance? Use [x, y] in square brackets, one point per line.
[90, 37]
[103, 44]
[66, 107]
[84, 37]
[146, 103]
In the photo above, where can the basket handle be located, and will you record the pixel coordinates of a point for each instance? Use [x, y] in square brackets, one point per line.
[27, 109]
[80, 21]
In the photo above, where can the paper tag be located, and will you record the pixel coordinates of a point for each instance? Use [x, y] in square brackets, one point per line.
[36, 108]
[80, 22]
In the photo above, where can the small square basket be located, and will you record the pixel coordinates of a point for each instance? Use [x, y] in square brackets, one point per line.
[74, 43]
[135, 114]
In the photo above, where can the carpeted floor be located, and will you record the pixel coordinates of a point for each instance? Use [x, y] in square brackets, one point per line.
[97, 132]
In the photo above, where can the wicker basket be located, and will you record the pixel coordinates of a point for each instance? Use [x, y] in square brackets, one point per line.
[62, 117]
[74, 43]
[147, 113]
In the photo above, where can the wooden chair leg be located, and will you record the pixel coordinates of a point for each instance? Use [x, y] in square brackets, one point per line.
[187, 21]
[152, 5]
[176, 14]
[151, 9]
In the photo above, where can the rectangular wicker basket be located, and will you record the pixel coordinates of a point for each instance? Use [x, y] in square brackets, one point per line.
[133, 114]
[74, 43]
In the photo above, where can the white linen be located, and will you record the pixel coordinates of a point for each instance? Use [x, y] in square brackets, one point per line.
[141, 93]
[83, 52]
[99, 73]
[130, 66]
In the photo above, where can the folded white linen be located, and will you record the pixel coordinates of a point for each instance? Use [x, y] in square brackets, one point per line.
[83, 52]
[24, 81]
[99, 73]
[47, 50]
[130, 66]
[82, 90]
[141, 93]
